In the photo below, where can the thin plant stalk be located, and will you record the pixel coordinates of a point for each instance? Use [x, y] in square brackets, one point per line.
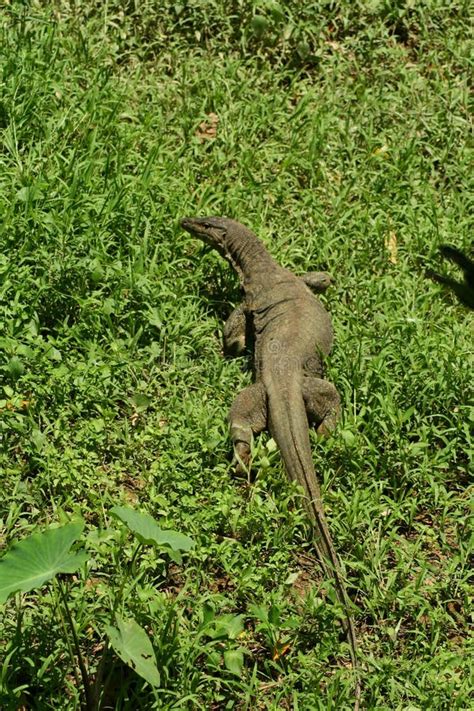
[90, 705]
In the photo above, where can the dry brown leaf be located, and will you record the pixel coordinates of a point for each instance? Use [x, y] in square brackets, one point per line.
[280, 651]
[16, 405]
[391, 245]
[207, 130]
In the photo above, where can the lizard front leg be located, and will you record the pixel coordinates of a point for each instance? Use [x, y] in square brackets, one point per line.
[247, 417]
[235, 330]
[322, 403]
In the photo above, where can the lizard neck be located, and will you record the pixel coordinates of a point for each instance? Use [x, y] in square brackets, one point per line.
[249, 258]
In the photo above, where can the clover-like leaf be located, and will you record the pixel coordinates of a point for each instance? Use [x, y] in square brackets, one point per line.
[33, 561]
[133, 646]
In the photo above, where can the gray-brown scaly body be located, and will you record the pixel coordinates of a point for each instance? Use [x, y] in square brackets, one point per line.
[292, 333]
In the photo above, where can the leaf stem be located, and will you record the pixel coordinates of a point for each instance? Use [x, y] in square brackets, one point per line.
[90, 705]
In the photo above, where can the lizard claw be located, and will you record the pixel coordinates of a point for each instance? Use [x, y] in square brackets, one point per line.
[241, 462]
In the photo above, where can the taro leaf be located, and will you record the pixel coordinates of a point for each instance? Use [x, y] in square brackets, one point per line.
[36, 559]
[234, 660]
[133, 646]
[145, 528]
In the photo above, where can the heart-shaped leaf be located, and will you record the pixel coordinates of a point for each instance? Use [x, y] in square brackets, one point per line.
[33, 561]
[133, 646]
[146, 529]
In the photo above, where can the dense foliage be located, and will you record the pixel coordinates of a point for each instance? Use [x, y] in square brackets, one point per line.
[338, 132]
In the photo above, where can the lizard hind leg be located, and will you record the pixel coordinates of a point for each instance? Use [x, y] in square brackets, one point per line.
[317, 281]
[322, 403]
[247, 417]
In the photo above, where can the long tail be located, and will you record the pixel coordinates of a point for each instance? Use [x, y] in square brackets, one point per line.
[289, 427]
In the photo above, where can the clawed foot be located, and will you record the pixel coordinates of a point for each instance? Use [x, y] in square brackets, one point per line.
[242, 462]
[325, 429]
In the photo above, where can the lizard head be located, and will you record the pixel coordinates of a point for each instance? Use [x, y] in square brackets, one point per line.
[237, 244]
[211, 230]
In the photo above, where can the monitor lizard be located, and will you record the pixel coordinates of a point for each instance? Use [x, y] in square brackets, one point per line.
[291, 332]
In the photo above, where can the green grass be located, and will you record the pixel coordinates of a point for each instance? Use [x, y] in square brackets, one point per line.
[343, 141]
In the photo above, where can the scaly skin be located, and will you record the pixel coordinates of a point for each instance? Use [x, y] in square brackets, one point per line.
[292, 332]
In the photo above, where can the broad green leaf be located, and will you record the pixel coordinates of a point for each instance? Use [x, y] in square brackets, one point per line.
[271, 445]
[229, 626]
[234, 660]
[33, 561]
[260, 612]
[348, 437]
[141, 401]
[407, 414]
[145, 528]
[276, 10]
[208, 614]
[15, 367]
[133, 646]
[274, 615]
[29, 192]
[259, 24]
[175, 556]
